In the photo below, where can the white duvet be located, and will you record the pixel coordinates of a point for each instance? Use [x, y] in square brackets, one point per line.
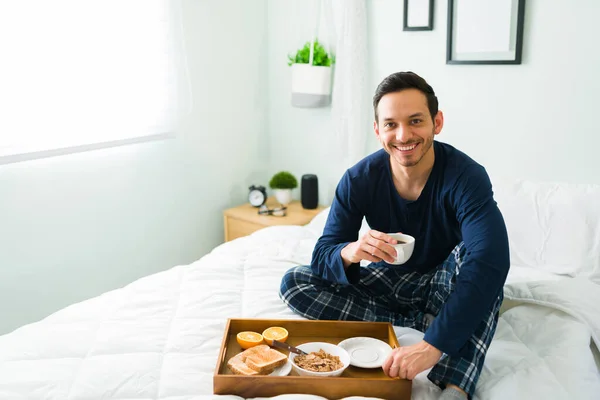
[158, 338]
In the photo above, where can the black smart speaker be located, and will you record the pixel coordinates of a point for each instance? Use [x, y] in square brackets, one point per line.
[310, 191]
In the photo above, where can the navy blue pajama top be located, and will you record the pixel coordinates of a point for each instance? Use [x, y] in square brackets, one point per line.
[455, 205]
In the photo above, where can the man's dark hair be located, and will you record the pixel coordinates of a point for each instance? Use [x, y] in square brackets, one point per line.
[405, 80]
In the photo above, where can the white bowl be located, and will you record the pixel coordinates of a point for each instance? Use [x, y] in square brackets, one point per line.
[329, 348]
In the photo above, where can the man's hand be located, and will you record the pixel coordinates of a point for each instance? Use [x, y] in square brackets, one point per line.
[407, 362]
[373, 246]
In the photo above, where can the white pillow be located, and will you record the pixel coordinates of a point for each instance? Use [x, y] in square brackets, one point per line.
[554, 227]
[317, 225]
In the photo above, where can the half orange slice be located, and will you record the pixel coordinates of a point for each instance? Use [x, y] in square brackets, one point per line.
[275, 332]
[249, 339]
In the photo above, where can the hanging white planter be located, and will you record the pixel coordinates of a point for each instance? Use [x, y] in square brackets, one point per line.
[311, 85]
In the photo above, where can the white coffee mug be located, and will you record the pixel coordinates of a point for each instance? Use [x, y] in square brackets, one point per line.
[404, 248]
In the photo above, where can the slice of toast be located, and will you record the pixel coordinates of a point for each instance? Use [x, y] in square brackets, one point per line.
[257, 360]
[237, 365]
[265, 360]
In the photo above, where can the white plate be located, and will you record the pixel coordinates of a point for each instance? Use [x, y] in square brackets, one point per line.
[366, 352]
[284, 370]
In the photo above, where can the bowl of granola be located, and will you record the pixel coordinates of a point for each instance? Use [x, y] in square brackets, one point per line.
[323, 359]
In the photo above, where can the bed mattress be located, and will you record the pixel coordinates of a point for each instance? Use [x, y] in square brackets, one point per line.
[159, 337]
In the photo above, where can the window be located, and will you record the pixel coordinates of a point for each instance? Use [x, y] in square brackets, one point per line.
[80, 74]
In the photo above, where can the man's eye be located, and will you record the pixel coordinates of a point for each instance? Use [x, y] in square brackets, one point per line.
[389, 125]
[416, 121]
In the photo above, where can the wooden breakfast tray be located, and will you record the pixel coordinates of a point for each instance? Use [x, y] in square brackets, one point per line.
[353, 382]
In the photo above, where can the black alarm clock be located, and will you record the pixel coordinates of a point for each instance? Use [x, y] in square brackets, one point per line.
[257, 196]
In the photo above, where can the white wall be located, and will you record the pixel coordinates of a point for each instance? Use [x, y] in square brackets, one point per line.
[534, 120]
[75, 226]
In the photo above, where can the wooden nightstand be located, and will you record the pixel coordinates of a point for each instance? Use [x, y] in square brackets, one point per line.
[243, 220]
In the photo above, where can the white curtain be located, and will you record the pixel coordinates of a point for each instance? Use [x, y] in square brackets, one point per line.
[77, 72]
[350, 98]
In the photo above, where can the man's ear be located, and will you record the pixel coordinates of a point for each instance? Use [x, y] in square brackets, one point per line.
[376, 129]
[438, 122]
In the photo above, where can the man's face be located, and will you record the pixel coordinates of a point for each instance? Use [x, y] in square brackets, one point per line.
[405, 127]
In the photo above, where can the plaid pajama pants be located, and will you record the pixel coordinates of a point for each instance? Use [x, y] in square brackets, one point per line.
[385, 295]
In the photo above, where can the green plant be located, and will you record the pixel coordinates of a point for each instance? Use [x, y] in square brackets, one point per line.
[283, 180]
[320, 55]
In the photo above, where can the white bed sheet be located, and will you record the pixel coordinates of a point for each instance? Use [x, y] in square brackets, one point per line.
[158, 338]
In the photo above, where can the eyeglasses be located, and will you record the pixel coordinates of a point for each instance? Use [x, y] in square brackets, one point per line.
[276, 212]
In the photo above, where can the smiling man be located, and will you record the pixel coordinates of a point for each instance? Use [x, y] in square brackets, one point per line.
[451, 287]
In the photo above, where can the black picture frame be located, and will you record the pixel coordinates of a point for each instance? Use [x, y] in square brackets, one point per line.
[408, 4]
[514, 24]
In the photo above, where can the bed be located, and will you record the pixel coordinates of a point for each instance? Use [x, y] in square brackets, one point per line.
[158, 337]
